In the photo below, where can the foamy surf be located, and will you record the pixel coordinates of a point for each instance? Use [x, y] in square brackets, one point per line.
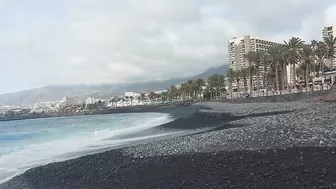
[84, 134]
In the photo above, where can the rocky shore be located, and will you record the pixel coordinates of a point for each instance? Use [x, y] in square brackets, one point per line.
[254, 145]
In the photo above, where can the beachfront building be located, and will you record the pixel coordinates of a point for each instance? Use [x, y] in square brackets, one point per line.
[178, 86]
[40, 107]
[67, 101]
[329, 30]
[238, 47]
[132, 98]
[129, 94]
[161, 91]
[326, 32]
[325, 80]
[89, 100]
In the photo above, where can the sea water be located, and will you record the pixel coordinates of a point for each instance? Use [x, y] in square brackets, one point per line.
[29, 143]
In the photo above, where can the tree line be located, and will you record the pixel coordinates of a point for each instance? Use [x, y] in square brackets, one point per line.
[198, 89]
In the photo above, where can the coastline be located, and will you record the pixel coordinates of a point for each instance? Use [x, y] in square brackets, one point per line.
[257, 145]
[127, 109]
[312, 96]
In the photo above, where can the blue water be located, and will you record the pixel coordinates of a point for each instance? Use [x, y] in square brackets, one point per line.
[28, 143]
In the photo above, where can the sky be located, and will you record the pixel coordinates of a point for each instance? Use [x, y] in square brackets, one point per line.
[103, 41]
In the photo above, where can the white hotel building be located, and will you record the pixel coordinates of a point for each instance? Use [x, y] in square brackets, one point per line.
[238, 47]
[326, 32]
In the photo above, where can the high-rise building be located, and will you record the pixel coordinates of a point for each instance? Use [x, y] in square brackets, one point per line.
[240, 46]
[329, 30]
[326, 32]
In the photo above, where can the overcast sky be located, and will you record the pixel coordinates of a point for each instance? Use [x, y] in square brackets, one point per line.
[46, 42]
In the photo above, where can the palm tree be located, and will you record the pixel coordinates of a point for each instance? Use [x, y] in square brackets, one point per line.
[131, 98]
[329, 45]
[164, 96]
[275, 57]
[142, 97]
[194, 90]
[271, 75]
[158, 97]
[212, 84]
[173, 92]
[139, 99]
[199, 87]
[112, 101]
[319, 54]
[294, 46]
[123, 100]
[100, 104]
[250, 58]
[244, 73]
[266, 63]
[256, 58]
[215, 84]
[307, 58]
[221, 84]
[231, 76]
[283, 66]
[237, 74]
[190, 87]
[152, 96]
[127, 99]
[183, 90]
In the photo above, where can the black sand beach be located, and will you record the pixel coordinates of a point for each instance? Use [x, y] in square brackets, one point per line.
[255, 145]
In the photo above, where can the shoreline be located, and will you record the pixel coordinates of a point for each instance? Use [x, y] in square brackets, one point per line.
[312, 96]
[260, 145]
[133, 109]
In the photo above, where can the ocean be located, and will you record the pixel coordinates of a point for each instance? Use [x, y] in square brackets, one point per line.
[25, 144]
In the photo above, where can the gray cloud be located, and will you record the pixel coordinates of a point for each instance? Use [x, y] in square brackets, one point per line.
[103, 41]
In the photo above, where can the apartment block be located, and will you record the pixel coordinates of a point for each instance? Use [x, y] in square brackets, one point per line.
[240, 46]
[329, 30]
[326, 32]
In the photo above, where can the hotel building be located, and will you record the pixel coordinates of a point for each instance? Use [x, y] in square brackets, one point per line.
[240, 46]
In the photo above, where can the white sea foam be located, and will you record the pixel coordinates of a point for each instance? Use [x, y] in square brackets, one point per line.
[35, 154]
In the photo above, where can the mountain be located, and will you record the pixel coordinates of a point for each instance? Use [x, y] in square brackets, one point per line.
[57, 92]
[215, 70]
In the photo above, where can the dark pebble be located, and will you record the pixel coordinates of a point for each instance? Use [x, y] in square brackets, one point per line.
[114, 170]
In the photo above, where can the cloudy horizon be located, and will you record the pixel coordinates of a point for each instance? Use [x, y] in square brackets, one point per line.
[102, 41]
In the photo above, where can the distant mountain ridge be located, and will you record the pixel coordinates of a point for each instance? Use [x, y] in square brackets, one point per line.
[56, 92]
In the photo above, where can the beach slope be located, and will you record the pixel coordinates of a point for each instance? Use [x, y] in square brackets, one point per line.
[255, 145]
